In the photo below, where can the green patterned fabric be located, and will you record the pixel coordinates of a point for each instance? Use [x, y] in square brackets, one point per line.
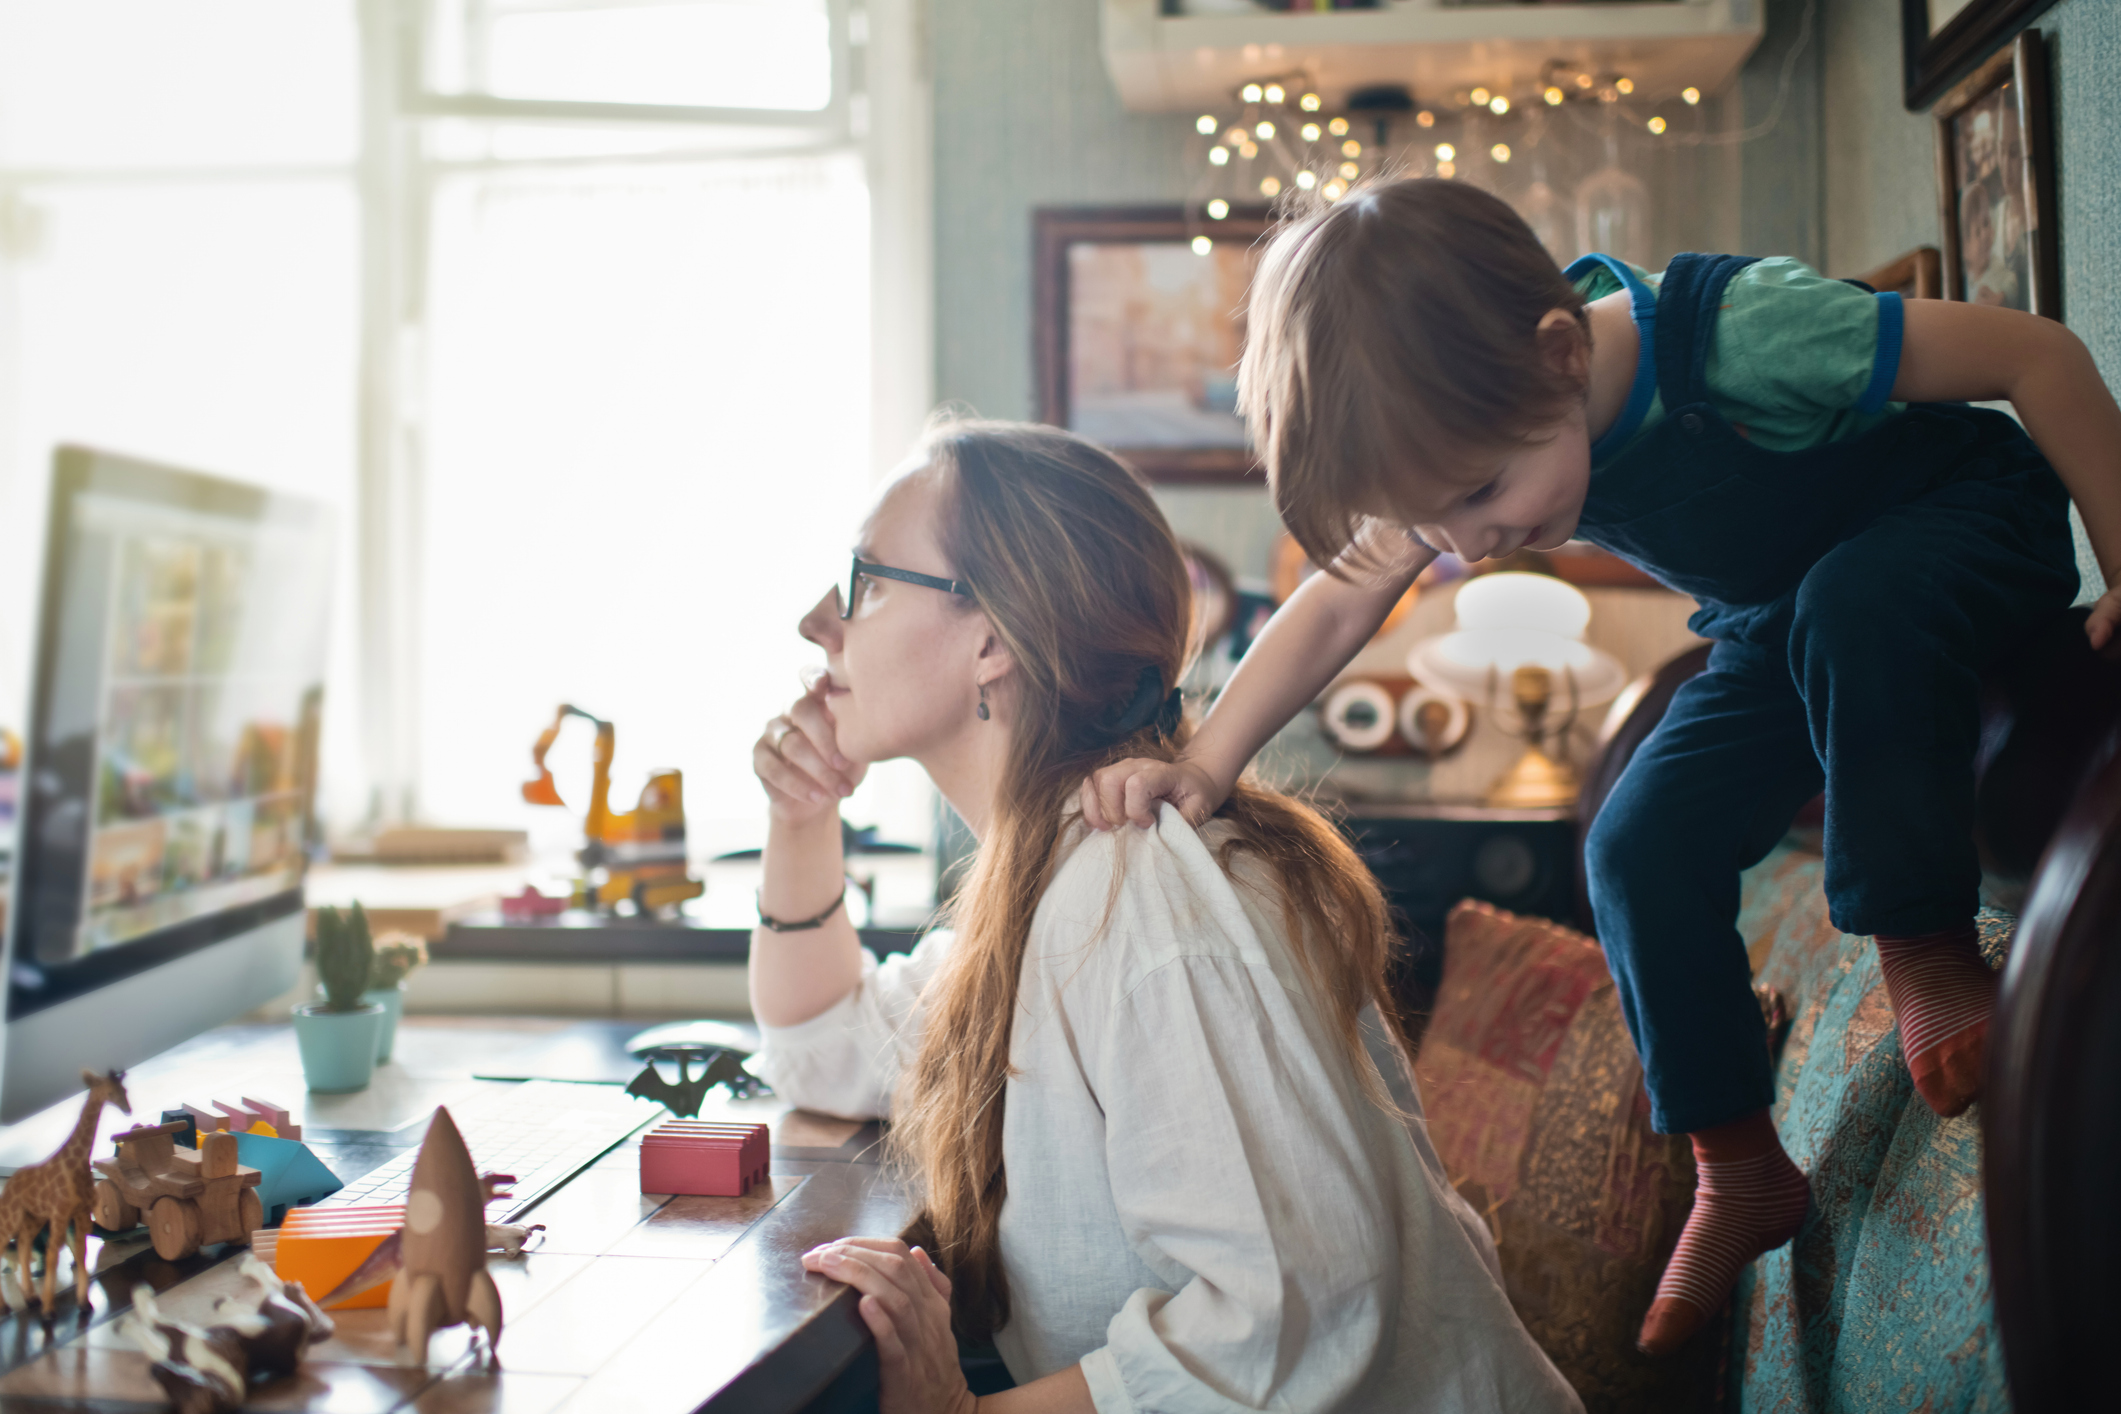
[1882, 1302]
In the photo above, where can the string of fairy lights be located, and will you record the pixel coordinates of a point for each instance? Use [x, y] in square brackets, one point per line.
[1282, 143]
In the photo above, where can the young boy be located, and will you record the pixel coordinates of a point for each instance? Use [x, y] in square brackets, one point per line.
[1788, 450]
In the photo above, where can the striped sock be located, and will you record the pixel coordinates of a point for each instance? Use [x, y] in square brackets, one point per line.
[1942, 996]
[1748, 1199]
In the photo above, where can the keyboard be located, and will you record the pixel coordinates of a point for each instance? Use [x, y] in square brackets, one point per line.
[542, 1131]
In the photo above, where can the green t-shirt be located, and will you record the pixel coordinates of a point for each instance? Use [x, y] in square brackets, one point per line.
[1793, 355]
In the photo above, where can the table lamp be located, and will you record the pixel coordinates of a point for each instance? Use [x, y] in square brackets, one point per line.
[1523, 632]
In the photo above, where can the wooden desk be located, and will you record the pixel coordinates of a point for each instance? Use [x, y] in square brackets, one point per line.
[633, 1302]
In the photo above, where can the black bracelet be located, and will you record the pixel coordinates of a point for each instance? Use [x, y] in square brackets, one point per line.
[775, 925]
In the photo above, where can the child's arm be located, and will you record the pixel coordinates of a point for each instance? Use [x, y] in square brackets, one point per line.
[1970, 352]
[1309, 640]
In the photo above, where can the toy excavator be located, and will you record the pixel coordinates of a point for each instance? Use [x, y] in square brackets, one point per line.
[639, 855]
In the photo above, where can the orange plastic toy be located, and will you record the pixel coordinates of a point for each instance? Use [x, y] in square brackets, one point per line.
[639, 855]
[321, 1247]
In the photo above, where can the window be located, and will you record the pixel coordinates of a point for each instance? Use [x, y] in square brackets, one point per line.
[177, 279]
[563, 305]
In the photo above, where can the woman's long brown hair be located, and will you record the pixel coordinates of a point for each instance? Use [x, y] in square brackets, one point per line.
[1081, 579]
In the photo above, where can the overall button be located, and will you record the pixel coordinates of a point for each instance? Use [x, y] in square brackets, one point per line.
[1691, 423]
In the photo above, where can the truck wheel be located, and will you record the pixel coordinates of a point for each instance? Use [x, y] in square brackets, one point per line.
[174, 1224]
[112, 1213]
[250, 1214]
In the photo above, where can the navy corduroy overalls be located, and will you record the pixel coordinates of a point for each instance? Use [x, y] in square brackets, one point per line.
[1856, 590]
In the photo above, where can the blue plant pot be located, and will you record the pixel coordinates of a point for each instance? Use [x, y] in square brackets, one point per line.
[338, 1047]
[392, 1000]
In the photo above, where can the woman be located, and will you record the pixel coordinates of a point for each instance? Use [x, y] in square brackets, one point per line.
[1160, 1169]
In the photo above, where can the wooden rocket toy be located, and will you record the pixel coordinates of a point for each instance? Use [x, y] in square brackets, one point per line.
[443, 1280]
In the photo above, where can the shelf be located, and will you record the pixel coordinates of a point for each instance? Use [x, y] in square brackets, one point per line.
[1173, 63]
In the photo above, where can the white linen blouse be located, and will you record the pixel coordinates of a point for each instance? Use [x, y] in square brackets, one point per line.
[1204, 1209]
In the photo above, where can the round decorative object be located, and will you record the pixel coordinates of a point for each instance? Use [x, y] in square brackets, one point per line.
[174, 1225]
[1433, 723]
[250, 1213]
[112, 1213]
[1504, 867]
[1358, 716]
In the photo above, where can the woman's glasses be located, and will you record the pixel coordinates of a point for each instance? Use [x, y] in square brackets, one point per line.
[864, 568]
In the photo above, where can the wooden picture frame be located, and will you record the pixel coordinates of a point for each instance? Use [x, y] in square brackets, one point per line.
[1996, 183]
[1158, 415]
[1936, 55]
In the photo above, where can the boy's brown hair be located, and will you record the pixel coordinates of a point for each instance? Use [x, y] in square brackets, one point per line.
[1392, 335]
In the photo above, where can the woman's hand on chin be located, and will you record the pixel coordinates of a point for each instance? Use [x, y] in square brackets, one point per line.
[798, 761]
[906, 1305]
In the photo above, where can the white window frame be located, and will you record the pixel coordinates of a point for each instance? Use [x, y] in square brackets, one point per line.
[880, 106]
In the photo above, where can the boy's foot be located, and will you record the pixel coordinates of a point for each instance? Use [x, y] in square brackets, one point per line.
[1943, 994]
[1748, 1199]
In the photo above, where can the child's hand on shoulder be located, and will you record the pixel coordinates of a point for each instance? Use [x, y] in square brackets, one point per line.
[1129, 790]
[2103, 627]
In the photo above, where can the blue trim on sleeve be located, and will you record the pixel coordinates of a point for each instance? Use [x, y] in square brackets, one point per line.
[1642, 303]
[1885, 368]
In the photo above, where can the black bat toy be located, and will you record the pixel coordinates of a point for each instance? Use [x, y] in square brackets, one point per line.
[724, 1067]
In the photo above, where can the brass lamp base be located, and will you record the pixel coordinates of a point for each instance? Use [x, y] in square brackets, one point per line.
[1536, 782]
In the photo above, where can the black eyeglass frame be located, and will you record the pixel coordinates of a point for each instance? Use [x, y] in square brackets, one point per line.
[877, 571]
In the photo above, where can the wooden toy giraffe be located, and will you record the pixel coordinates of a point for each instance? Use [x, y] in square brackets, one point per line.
[57, 1195]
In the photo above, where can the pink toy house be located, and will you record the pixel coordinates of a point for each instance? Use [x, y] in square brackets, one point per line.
[696, 1157]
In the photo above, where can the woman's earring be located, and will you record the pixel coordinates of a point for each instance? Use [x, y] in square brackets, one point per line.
[983, 702]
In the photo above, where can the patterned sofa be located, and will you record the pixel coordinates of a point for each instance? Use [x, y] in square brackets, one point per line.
[1885, 1301]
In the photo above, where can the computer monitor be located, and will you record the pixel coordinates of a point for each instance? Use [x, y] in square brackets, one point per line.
[167, 793]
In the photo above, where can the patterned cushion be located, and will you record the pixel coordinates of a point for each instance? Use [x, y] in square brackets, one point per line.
[1882, 1302]
[1535, 1103]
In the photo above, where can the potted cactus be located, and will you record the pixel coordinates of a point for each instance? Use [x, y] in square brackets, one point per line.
[338, 1035]
[397, 955]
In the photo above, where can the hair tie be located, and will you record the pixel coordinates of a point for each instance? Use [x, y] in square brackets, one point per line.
[1149, 703]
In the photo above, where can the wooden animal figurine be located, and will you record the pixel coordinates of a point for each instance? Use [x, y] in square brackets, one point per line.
[212, 1371]
[724, 1068]
[444, 1281]
[58, 1195]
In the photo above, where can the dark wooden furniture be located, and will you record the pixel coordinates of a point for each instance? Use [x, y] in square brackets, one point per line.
[1628, 723]
[1428, 857]
[631, 1301]
[1919, 274]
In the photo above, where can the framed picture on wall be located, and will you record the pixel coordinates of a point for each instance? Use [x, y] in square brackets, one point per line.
[1996, 184]
[1942, 39]
[1137, 329]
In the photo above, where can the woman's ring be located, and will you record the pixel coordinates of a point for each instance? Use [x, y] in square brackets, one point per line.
[777, 732]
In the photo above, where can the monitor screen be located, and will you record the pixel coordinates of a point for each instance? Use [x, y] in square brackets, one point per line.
[172, 761]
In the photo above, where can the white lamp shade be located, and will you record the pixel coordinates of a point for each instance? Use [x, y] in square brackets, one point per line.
[1512, 600]
[1477, 663]
[1508, 621]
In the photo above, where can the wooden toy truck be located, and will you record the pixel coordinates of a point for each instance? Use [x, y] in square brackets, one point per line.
[188, 1199]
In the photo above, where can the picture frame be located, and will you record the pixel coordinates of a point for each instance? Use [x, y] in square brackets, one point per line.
[1996, 183]
[1136, 336]
[1942, 40]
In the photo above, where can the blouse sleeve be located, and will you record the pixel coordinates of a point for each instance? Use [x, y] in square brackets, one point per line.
[846, 1060]
[1242, 1181]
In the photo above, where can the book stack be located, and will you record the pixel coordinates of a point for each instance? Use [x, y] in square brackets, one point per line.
[693, 1156]
[322, 1247]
